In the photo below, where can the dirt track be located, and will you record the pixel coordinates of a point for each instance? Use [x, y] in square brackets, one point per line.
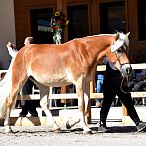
[42, 136]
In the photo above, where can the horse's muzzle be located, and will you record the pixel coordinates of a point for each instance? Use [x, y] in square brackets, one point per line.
[126, 69]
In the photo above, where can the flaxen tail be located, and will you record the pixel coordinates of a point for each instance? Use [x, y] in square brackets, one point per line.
[5, 88]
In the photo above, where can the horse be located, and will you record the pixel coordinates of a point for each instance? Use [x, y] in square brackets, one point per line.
[51, 65]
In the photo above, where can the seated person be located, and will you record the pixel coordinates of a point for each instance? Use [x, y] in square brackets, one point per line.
[136, 77]
[141, 85]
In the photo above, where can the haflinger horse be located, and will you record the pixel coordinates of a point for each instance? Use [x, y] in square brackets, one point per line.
[51, 65]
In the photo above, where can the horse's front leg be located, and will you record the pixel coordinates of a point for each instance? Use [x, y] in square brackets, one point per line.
[81, 105]
[44, 93]
[87, 98]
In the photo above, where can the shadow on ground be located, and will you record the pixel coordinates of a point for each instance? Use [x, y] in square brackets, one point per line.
[113, 129]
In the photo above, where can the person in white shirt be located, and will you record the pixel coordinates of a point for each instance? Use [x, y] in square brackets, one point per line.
[12, 49]
[27, 105]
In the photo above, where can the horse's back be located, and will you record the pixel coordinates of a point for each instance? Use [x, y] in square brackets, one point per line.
[48, 64]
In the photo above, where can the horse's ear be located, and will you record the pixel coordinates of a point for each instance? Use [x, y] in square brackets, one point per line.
[117, 36]
[117, 43]
[127, 34]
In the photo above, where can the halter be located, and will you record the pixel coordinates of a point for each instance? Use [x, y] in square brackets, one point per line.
[122, 41]
[117, 56]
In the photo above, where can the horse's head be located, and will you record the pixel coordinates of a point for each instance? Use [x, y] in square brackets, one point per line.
[117, 53]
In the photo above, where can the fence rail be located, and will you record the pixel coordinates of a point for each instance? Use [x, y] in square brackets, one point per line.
[140, 94]
[92, 94]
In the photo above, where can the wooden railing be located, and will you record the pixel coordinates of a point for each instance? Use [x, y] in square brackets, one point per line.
[93, 95]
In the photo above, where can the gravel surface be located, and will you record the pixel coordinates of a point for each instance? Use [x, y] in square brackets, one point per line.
[43, 136]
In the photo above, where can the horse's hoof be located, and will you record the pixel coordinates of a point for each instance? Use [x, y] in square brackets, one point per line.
[87, 132]
[8, 131]
[67, 125]
[58, 130]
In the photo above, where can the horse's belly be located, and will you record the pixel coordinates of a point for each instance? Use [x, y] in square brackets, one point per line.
[53, 81]
[58, 82]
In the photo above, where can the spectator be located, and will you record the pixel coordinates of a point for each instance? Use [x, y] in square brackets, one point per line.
[27, 105]
[99, 88]
[138, 83]
[141, 85]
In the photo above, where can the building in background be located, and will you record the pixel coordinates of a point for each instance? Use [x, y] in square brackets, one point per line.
[7, 31]
[86, 17]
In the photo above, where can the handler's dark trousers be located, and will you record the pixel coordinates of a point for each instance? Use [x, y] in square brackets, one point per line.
[111, 88]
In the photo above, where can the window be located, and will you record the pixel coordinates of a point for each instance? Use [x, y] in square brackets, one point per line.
[142, 19]
[78, 25]
[112, 17]
[40, 25]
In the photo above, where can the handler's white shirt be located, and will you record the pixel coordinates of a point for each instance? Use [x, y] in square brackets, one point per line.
[106, 60]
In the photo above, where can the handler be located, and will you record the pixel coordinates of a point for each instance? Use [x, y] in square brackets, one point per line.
[113, 86]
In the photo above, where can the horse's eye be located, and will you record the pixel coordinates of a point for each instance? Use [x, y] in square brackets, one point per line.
[119, 51]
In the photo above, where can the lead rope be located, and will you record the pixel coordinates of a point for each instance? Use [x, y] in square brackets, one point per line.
[121, 87]
[123, 77]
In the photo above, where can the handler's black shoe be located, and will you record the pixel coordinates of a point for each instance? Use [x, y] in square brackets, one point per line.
[103, 129]
[141, 126]
[34, 115]
[21, 115]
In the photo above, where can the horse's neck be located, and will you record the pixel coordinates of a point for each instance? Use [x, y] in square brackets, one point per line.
[98, 48]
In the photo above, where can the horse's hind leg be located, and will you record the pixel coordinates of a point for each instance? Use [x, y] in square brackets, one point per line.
[10, 100]
[9, 103]
[44, 93]
[7, 120]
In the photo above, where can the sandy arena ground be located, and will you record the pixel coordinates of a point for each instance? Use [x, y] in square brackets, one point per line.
[43, 136]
